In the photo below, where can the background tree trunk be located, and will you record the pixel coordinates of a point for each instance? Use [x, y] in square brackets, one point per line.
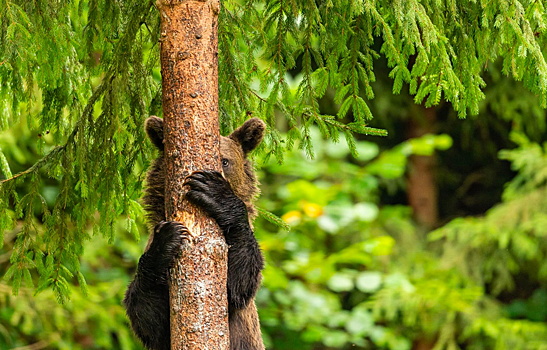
[422, 189]
[189, 42]
[421, 182]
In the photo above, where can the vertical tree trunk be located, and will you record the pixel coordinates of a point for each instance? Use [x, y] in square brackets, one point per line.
[199, 313]
[421, 181]
[422, 189]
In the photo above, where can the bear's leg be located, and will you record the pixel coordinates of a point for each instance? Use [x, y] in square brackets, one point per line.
[147, 298]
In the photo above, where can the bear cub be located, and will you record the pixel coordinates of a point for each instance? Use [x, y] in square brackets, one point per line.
[229, 200]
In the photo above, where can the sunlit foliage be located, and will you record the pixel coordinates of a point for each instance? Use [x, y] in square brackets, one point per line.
[78, 78]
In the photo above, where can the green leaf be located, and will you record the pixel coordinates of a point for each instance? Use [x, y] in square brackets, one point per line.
[360, 322]
[340, 94]
[321, 81]
[4, 166]
[335, 339]
[83, 283]
[366, 150]
[341, 282]
[368, 281]
[344, 108]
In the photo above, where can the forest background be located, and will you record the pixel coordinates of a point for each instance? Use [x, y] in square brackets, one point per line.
[415, 229]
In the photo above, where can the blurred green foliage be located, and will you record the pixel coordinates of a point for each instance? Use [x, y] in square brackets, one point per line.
[349, 273]
[352, 273]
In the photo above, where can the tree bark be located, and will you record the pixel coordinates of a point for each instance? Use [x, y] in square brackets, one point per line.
[421, 181]
[189, 66]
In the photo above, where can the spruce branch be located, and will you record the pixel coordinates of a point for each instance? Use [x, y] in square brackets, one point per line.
[57, 151]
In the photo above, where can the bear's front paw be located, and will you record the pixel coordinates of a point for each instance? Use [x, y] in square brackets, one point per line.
[211, 192]
[167, 243]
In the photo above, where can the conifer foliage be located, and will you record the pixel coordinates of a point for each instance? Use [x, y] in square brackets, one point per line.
[85, 74]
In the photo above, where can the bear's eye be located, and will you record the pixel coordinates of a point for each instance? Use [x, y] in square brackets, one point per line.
[225, 162]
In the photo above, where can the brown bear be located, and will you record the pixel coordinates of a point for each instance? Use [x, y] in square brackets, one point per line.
[228, 200]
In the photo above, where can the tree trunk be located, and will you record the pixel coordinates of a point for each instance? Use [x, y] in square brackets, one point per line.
[422, 188]
[199, 307]
[421, 181]
[423, 344]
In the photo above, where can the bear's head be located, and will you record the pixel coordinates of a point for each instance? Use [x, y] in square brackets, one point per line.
[236, 167]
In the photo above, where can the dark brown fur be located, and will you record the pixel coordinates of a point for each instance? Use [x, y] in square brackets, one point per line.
[243, 183]
[145, 300]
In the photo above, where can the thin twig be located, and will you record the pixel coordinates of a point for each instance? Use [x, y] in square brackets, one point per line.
[257, 95]
[36, 166]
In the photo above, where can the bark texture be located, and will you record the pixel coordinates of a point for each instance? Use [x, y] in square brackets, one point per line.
[199, 314]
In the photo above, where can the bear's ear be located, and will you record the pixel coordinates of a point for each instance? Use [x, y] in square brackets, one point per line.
[154, 129]
[249, 135]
